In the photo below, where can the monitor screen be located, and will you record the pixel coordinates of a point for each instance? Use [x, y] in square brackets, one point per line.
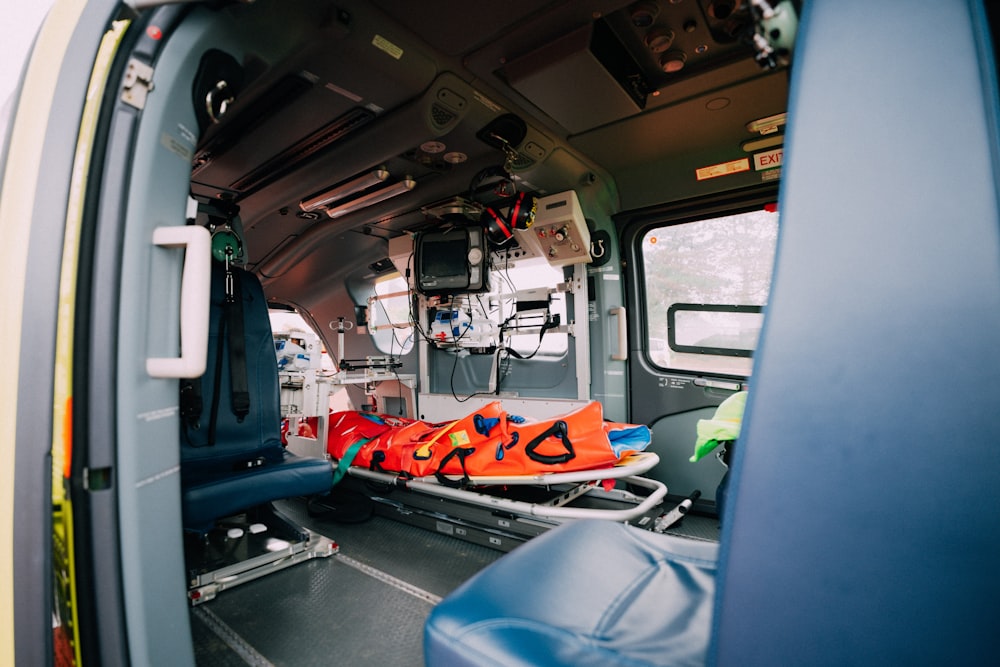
[443, 261]
[445, 258]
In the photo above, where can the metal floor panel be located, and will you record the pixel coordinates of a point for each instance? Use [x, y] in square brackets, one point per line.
[433, 561]
[364, 606]
[697, 527]
[212, 646]
[325, 613]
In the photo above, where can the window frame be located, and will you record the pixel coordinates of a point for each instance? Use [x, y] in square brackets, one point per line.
[634, 226]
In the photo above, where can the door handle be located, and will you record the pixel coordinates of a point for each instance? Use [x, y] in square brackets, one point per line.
[622, 354]
[195, 293]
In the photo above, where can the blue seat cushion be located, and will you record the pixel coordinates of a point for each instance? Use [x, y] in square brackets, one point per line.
[211, 492]
[588, 592]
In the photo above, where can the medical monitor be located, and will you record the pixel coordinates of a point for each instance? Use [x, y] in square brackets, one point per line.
[451, 261]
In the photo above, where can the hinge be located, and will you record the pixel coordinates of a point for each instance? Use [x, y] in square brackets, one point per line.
[138, 83]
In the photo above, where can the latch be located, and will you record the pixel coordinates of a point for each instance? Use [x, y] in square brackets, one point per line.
[138, 83]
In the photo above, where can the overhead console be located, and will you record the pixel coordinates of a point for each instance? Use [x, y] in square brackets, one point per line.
[627, 57]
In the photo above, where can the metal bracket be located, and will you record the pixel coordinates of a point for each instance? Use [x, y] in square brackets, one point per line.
[138, 83]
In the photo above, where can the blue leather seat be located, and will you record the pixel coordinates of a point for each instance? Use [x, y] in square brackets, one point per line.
[586, 593]
[245, 465]
[862, 526]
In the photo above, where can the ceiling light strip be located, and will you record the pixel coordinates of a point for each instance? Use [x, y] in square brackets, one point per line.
[768, 141]
[372, 198]
[768, 125]
[351, 187]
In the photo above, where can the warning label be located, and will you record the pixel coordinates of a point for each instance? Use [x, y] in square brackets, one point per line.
[722, 169]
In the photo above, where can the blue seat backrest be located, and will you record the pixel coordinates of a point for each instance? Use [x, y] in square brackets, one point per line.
[244, 465]
[863, 525]
[259, 433]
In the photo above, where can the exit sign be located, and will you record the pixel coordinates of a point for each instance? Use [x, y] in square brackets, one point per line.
[768, 159]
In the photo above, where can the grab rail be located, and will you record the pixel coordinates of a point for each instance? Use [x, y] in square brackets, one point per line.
[194, 304]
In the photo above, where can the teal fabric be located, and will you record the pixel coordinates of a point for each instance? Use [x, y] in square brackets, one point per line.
[345, 462]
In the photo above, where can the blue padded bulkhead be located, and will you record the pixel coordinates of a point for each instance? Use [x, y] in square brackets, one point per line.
[863, 522]
[865, 504]
[215, 482]
[590, 593]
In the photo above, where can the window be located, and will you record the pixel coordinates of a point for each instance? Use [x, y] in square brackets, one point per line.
[532, 274]
[706, 283]
[291, 323]
[389, 316]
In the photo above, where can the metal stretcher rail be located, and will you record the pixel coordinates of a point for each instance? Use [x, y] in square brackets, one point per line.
[628, 471]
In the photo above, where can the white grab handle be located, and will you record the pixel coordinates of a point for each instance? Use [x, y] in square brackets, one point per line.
[622, 354]
[195, 294]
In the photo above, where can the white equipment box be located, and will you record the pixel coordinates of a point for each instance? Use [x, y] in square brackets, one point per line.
[560, 232]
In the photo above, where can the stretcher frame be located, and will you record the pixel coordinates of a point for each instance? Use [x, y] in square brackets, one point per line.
[627, 470]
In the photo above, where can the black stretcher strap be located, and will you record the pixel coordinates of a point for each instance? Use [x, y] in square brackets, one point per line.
[461, 453]
[560, 430]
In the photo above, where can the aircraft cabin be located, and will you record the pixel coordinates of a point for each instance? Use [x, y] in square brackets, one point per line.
[604, 332]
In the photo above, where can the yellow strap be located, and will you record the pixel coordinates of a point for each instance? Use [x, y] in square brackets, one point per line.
[424, 451]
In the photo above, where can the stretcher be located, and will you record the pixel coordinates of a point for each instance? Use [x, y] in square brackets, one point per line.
[575, 466]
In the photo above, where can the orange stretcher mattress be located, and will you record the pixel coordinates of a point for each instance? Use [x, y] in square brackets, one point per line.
[487, 442]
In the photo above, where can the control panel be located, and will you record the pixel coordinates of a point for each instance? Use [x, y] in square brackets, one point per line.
[560, 232]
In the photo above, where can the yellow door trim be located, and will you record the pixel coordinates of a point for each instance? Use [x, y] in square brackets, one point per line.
[63, 556]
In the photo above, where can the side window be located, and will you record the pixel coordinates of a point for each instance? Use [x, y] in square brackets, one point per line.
[533, 274]
[289, 325]
[706, 285]
[307, 384]
[389, 318]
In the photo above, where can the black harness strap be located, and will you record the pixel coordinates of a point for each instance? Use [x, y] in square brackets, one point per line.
[233, 317]
[231, 329]
[217, 384]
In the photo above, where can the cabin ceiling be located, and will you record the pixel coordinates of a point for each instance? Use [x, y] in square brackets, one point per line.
[343, 89]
